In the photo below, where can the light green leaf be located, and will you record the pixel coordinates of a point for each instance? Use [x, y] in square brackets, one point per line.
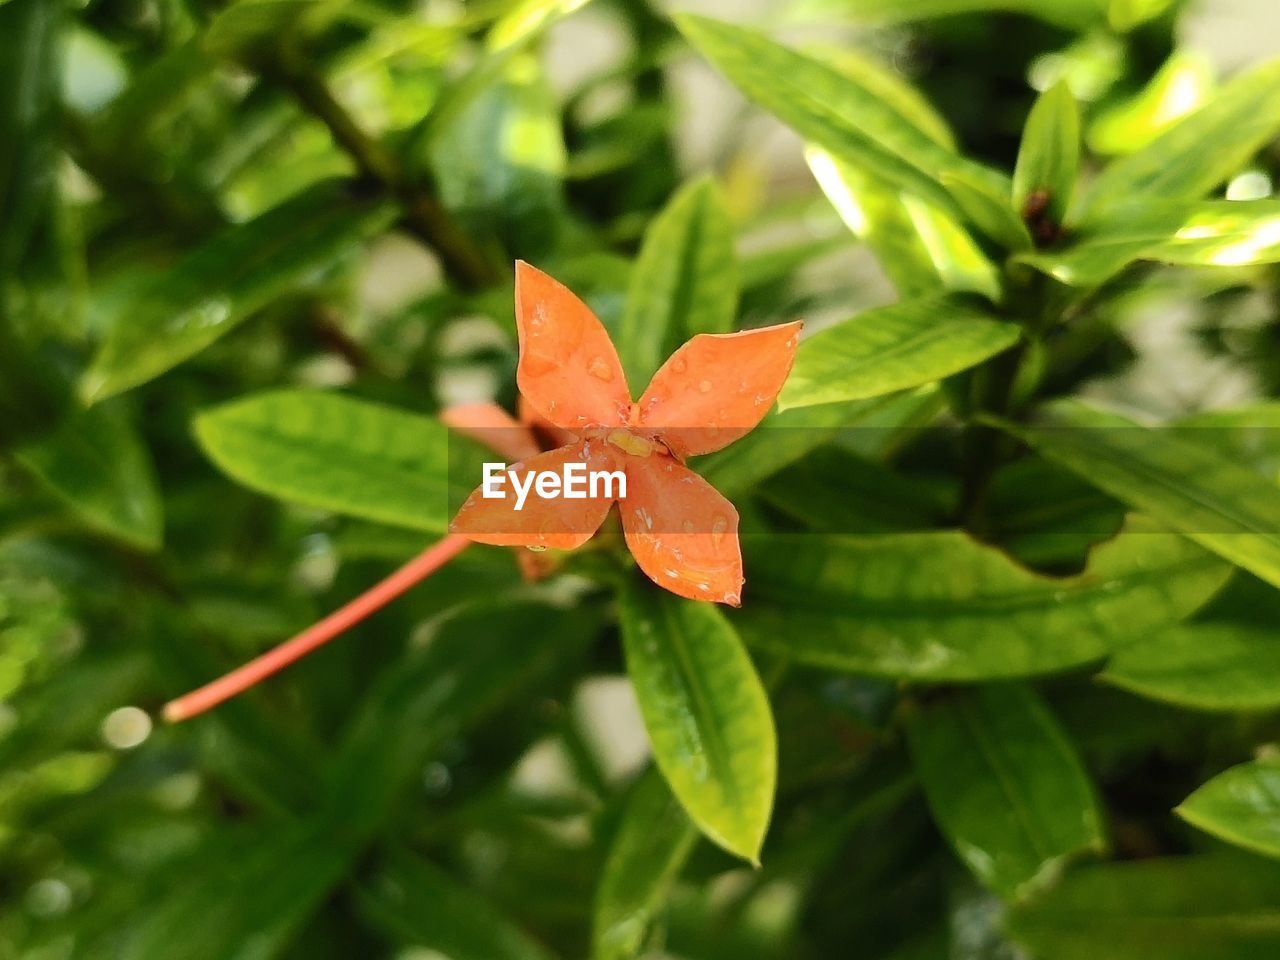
[1174, 908]
[1240, 806]
[1221, 233]
[424, 907]
[1005, 785]
[706, 712]
[960, 262]
[833, 110]
[213, 289]
[332, 452]
[1049, 157]
[1222, 505]
[1202, 666]
[893, 348]
[649, 849]
[1182, 84]
[987, 210]
[1199, 152]
[684, 283]
[942, 607]
[97, 464]
[1069, 14]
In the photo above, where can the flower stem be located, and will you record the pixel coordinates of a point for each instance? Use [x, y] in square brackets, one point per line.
[276, 659]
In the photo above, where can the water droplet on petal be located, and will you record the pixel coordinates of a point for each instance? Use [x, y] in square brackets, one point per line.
[718, 528]
[679, 364]
[599, 369]
[704, 386]
[537, 547]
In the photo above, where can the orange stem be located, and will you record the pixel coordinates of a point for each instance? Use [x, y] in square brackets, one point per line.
[276, 659]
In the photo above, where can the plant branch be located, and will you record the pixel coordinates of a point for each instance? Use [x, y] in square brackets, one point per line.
[464, 262]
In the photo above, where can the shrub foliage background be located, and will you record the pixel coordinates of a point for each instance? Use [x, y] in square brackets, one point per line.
[1006, 676]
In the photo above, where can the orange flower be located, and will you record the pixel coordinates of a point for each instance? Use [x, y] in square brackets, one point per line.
[712, 391]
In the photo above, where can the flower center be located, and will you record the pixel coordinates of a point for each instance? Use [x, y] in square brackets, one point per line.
[631, 443]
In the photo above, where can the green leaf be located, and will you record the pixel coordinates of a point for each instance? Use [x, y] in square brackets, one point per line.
[1183, 83]
[1174, 908]
[685, 281]
[834, 110]
[329, 451]
[706, 712]
[1240, 806]
[217, 286]
[1049, 157]
[648, 851]
[1222, 505]
[499, 163]
[424, 907]
[98, 465]
[942, 607]
[893, 348]
[251, 29]
[960, 262]
[1202, 666]
[1069, 14]
[1005, 785]
[1197, 153]
[987, 210]
[1222, 233]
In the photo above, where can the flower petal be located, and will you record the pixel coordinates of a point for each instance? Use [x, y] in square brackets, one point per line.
[682, 532]
[555, 522]
[490, 425]
[569, 371]
[717, 387]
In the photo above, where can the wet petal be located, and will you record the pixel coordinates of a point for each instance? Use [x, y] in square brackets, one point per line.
[542, 522]
[717, 387]
[682, 532]
[490, 425]
[569, 371]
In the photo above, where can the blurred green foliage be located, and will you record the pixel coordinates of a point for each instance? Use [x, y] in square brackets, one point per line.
[1005, 680]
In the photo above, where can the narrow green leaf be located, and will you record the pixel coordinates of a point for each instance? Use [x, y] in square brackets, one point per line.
[1174, 908]
[684, 283]
[97, 464]
[1069, 14]
[252, 28]
[893, 348]
[424, 907]
[1221, 233]
[213, 289]
[1202, 666]
[833, 110]
[650, 847]
[1222, 505]
[332, 452]
[960, 262]
[1240, 806]
[940, 606]
[987, 210]
[1181, 85]
[1049, 157]
[1005, 785]
[706, 712]
[1197, 153]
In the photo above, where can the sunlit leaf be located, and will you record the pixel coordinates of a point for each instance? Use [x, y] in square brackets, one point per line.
[706, 712]
[893, 348]
[1199, 152]
[1005, 785]
[1049, 157]
[940, 606]
[1181, 85]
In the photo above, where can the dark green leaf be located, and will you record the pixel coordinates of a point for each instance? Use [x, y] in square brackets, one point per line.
[216, 287]
[1240, 806]
[1203, 666]
[684, 283]
[1049, 157]
[650, 847]
[893, 348]
[940, 606]
[1220, 504]
[98, 465]
[1175, 908]
[706, 712]
[1005, 785]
